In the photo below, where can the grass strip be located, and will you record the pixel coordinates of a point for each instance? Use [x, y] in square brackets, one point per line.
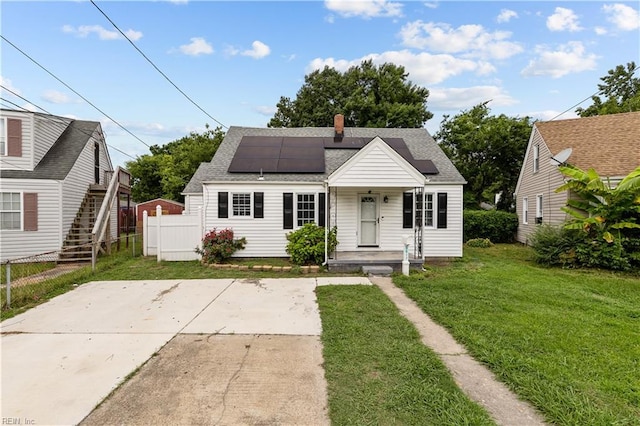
[568, 341]
[378, 371]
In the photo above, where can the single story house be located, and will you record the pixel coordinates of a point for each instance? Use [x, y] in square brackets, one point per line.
[54, 173]
[610, 144]
[377, 186]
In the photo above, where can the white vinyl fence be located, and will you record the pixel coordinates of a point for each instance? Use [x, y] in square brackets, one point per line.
[172, 237]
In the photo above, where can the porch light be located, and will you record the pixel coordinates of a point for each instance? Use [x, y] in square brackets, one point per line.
[385, 199]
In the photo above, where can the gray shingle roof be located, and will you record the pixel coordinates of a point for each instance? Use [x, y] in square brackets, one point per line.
[421, 145]
[61, 157]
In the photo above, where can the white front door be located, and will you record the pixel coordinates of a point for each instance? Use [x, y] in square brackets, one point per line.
[368, 235]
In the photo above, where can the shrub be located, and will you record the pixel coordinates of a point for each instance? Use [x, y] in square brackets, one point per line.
[598, 253]
[306, 245]
[218, 246]
[496, 225]
[555, 245]
[480, 242]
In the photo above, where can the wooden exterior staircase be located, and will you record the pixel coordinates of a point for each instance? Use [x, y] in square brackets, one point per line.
[91, 227]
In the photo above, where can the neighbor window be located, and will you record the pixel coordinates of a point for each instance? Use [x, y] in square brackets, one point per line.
[538, 208]
[536, 158]
[10, 210]
[306, 208]
[525, 210]
[3, 136]
[241, 204]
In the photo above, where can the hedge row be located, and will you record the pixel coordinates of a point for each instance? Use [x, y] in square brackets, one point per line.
[498, 226]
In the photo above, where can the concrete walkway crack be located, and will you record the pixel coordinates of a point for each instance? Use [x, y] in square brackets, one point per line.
[475, 379]
[233, 377]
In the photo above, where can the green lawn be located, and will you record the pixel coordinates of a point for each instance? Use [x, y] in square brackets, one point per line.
[567, 341]
[378, 371]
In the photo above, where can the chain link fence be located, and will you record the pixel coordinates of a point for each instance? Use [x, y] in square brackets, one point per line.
[27, 280]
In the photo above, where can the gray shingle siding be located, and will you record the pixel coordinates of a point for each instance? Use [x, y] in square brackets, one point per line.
[421, 145]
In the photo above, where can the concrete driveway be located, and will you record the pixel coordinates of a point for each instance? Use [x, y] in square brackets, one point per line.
[211, 351]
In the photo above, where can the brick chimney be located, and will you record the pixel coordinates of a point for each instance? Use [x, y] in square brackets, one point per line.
[338, 124]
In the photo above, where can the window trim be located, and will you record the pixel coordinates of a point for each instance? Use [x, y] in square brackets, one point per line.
[4, 136]
[297, 211]
[432, 210]
[536, 158]
[525, 210]
[20, 211]
[248, 207]
[539, 208]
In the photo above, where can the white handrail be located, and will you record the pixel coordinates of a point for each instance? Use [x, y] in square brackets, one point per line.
[100, 227]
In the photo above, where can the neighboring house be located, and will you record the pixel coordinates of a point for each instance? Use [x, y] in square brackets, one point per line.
[610, 144]
[375, 185]
[168, 207]
[54, 173]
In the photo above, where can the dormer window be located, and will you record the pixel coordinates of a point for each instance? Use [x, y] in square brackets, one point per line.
[536, 158]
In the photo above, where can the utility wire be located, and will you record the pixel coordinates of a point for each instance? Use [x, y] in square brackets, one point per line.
[154, 66]
[55, 119]
[590, 97]
[70, 88]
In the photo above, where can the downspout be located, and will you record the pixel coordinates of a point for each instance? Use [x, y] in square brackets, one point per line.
[327, 224]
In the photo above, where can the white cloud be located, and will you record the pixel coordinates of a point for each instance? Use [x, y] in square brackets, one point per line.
[9, 85]
[465, 97]
[600, 30]
[563, 20]
[506, 15]
[568, 58]
[472, 40]
[424, 68]
[364, 8]
[198, 46]
[266, 110]
[101, 32]
[56, 97]
[549, 114]
[431, 4]
[258, 50]
[624, 17]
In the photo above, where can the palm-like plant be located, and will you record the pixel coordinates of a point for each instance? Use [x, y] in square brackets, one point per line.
[601, 208]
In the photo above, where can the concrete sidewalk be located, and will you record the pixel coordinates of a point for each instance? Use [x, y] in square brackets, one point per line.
[472, 377]
[62, 358]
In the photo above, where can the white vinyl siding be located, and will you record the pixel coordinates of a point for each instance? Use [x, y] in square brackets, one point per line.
[47, 130]
[16, 243]
[544, 182]
[265, 236]
[192, 203]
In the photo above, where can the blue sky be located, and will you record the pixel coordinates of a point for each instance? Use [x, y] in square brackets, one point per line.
[235, 59]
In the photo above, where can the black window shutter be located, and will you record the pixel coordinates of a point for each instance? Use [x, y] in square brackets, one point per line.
[442, 210]
[258, 205]
[321, 209]
[287, 210]
[407, 210]
[223, 205]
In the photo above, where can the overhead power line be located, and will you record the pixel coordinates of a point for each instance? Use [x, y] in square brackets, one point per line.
[55, 119]
[590, 97]
[74, 91]
[154, 66]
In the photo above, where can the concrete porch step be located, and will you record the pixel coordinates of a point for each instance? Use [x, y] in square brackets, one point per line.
[377, 270]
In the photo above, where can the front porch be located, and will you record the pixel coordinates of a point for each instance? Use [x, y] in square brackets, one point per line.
[353, 261]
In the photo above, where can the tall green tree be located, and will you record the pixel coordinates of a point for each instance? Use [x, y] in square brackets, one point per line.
[620, 92]
[488, 150]
[367, 96]
[166, 171]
